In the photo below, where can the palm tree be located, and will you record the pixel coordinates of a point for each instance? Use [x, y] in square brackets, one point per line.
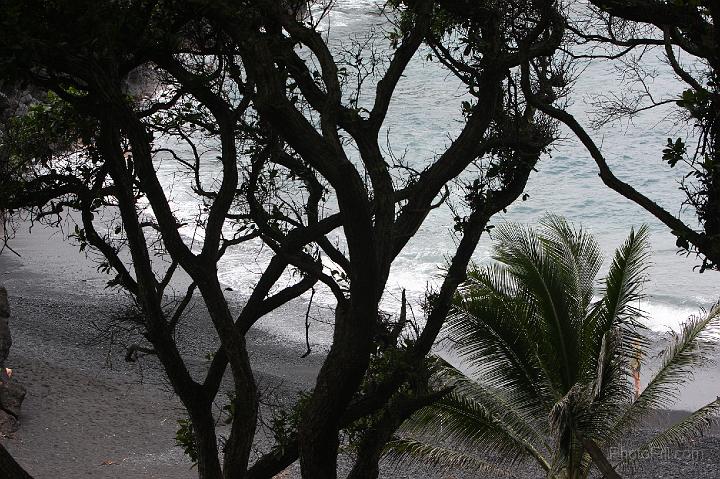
[548, 359]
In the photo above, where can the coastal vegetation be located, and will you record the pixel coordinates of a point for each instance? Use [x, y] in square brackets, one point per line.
[278, 136]
[686, 32]
[549, 361]
[262, 120]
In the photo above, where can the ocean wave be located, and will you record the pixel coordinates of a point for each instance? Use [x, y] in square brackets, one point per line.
[422, 116]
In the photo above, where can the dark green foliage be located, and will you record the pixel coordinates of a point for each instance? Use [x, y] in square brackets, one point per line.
[674, 151]
[185, 438]
[702, 184]
[50, 126]
[284, 422]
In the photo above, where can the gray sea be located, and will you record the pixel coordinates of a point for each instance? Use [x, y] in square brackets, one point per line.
[425, 115]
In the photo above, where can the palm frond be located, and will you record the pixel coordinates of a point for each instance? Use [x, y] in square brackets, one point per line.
[693, 426]
[613, 328]
[519, 417]
[474, 417]
[492, 334]
[622, 288]
[690, 349]
[468, 425]
[544, 284]
[402, 451]
[577, 253]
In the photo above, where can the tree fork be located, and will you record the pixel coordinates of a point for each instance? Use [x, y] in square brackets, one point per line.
[184, 386]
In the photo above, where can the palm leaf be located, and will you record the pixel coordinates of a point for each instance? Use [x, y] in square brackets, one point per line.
[544, 283]
[614, 329]
[691, 427]
[469, 425]
[518, 417]
[472, 419]
[577, 253]
[622, 290]
[402, 451]
[689, 349]
[491, 330]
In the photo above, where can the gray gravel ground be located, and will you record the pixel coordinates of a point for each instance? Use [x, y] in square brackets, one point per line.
[89, 413]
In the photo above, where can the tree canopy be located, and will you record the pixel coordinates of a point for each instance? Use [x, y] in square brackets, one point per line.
[249, 100]
[278, 137]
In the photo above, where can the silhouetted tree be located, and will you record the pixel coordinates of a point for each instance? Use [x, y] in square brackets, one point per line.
[623, 30]
[249, 99]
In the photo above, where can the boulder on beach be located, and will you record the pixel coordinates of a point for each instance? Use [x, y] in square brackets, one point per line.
[4, 305]
[5, 337]
[12, 393]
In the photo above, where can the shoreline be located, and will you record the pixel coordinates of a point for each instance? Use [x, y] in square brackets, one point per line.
[88, 413]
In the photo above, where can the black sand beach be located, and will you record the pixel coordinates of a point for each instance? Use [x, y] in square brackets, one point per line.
[88, 413]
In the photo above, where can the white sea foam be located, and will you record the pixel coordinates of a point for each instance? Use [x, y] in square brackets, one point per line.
[663, 317]
[422, 119]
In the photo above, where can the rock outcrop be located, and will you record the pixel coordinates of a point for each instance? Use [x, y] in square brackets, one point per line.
[11, 392]
[5, 337]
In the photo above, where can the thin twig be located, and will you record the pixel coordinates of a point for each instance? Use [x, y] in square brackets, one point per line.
[307, 324]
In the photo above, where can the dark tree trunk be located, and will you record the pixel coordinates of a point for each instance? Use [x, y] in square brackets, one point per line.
[158, 334]
[367, 463]
[9, 468]
[244, 421]
[341, 374]
[208, 466]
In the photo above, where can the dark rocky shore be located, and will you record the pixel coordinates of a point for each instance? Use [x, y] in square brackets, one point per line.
[89, 413]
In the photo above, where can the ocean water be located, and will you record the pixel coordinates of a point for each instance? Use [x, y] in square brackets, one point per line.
[423, 118]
